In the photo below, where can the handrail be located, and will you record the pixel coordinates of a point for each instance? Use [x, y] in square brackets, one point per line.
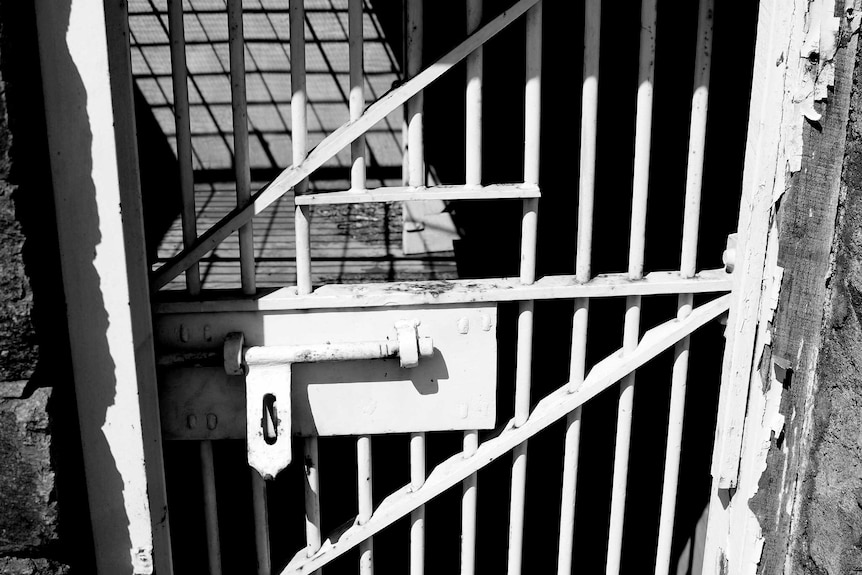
[330, 146]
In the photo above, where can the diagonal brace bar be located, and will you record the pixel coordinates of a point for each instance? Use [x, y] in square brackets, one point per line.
[330, 146]
[552, 408]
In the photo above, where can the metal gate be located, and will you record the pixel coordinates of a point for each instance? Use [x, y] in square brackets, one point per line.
[416, 357]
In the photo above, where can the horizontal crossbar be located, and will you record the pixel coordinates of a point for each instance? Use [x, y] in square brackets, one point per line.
[331, 145]
[409, 194]
[421, 293]
[551, 409]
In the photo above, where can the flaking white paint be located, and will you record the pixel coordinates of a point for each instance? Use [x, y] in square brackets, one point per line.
[78, 96]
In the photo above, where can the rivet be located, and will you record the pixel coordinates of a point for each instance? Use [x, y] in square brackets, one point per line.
[184, 333]
[191, 421]
[212, 421]
[463, 410]
[463, 325]
[486, 322]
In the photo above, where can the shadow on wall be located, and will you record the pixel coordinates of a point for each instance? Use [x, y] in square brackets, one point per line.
[68, 101]
[29, 172]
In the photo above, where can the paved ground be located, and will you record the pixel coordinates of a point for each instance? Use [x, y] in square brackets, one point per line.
[349, 243]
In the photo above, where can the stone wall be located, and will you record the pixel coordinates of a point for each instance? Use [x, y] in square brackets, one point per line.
[44, 527]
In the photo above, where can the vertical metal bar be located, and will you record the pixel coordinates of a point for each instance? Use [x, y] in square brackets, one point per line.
[529, 226]
[473, 97]
[210, 507]
[242, 169]
[623, 439]
[674, 442]
[417, 517]
[414, 38]
[312, 497]
[688, 268]
[366, 503]
[179, 74]
[472, 177]
[358, 182]
[261, 523]
[589, 122]
[299, 141]
[697, 140]
[468, 509]
[631, 329]
[299, 144]
[580, 317]
[357, 93]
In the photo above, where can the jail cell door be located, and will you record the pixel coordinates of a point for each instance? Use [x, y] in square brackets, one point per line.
[281, 368]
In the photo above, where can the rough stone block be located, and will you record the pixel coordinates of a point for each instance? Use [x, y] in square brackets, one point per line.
[28, 514]
[28, 566]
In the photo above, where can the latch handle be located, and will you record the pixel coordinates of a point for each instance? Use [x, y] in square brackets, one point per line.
[267, 371]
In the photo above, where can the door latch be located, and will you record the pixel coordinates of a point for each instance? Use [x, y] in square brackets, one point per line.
[267, 371]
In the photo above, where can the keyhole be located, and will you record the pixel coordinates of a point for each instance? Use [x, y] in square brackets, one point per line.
[270, 419]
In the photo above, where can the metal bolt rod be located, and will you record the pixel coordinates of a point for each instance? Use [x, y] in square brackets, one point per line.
[271, 355]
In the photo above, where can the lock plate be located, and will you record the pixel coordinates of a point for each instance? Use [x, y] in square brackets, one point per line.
[455, 389]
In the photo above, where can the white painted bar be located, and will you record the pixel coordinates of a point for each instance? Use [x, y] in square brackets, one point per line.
[577, 367]
[697, 140]
[589, 123]
[473, 101]
[423, 293]
[549, 410]
[179, 75]
[210, 507]
[408, 193]
[674, 443]
[261, 523]
[299, 141]
[242, 168]
[580, 316]
[468, 508]
[643, 136]
[414, 38]
[332, 144]
[472, 177]
[366, 502]
[236, 45]
[417, 516]
[533, 95]
[640, 185]
[90, 124]
[623, 439]
[299, 144]
[357, 92]
[688, 265]
[312, 496]
[529, 229]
